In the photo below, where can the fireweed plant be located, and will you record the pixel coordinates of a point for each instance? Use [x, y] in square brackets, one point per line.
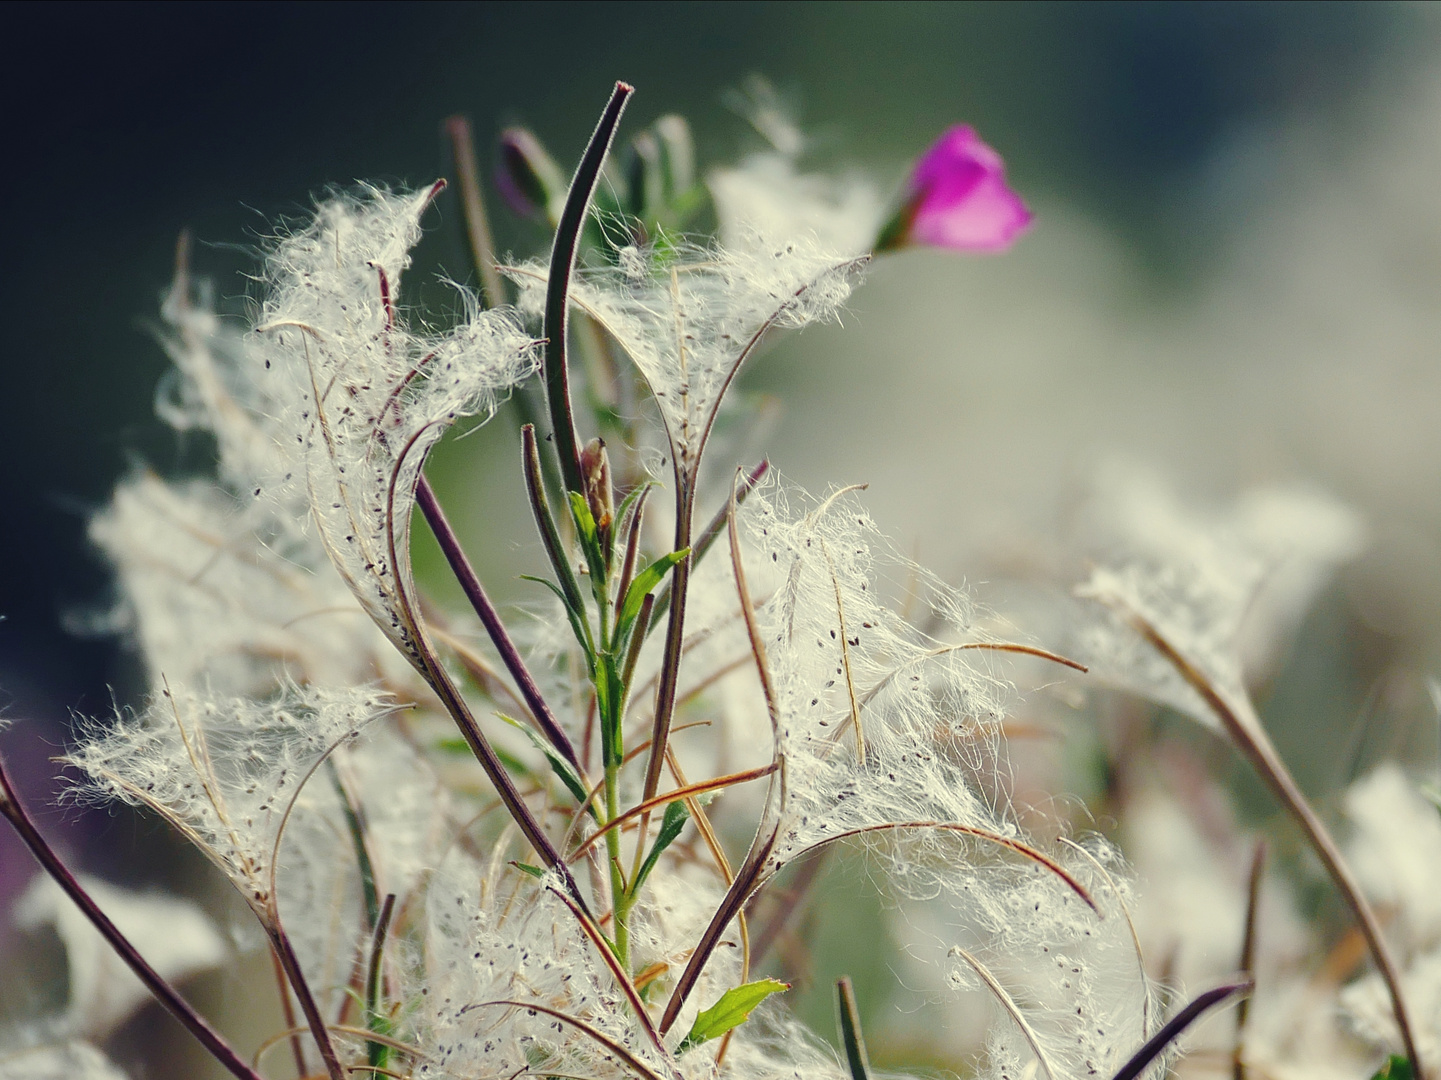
[476, 852]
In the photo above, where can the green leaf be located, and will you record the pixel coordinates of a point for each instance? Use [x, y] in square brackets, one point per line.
[1396, 1068]
[590, 544]
[856, 1057]
[558, 764]
[643, 584]
[731, 1011]
[584, 520]
[526, 868]
[671, 826]
[630, 499]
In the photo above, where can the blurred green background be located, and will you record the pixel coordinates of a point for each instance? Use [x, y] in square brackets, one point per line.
[1154, 138]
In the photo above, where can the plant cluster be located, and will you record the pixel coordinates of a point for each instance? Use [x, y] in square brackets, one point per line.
[476, 852]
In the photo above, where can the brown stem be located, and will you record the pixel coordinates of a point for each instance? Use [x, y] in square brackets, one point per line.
[1178, 1024]
[676, 596]
[1245, 730]
[674, 637]
[690, 791]
[557, 294]
[520, 813]
[1248, 958]
[164, 992]
[741, 889]
[779, 914]
[287, 1009]
[711, 533]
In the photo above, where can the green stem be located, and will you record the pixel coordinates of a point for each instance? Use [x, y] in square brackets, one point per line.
[619, 900]
[375, 1019]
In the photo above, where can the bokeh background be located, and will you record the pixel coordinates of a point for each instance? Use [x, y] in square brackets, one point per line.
[1235, 278]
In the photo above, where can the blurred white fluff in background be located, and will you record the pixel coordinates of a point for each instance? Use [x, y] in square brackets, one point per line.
[69, 1061]
[174, 935]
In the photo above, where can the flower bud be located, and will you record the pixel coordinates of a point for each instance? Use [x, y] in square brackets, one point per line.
[528, 178]
[957, 198]
[595, 470]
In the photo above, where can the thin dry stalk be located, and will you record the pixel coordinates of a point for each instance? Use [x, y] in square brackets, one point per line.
[1238, 718]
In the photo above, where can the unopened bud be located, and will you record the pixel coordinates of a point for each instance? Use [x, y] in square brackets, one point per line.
[528, 178]
[595, 469]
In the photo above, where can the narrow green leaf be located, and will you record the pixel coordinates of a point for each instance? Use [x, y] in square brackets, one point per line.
[856, 1057]
[357, 839]
[580, 511]
[731, 1011]
[376, 1020]
[644, 583]
[671, 826]
[578, 625]
[629, 501]
[558, 764]
[1396, 1068]
[545, 520]
[526, 868]
[590, 545]
[460, 748]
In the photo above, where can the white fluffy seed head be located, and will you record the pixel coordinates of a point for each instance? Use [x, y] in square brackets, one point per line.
[766, 195]
[514, 942]
[225, 771]
[217, 593]
[1227, 590]
[883, 725]
[359, 397]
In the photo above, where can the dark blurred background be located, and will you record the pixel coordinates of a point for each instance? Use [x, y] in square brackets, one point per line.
[127, 123]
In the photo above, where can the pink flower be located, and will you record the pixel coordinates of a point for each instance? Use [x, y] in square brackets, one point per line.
[957, 198]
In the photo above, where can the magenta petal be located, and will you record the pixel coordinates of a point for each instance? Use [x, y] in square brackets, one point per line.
[959, 196]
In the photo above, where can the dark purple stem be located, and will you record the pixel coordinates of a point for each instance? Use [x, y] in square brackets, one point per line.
[1177, 1024]
[499, 636]
[167, 995]
[675, 627]
[309, 1007]
[557, 293]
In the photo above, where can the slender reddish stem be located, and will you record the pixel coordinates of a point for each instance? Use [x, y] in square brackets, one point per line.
[290, 964]
[1238, 718]
[477, 222]
[490, 618]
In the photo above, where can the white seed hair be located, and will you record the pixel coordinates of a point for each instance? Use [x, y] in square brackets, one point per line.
[360, 398]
